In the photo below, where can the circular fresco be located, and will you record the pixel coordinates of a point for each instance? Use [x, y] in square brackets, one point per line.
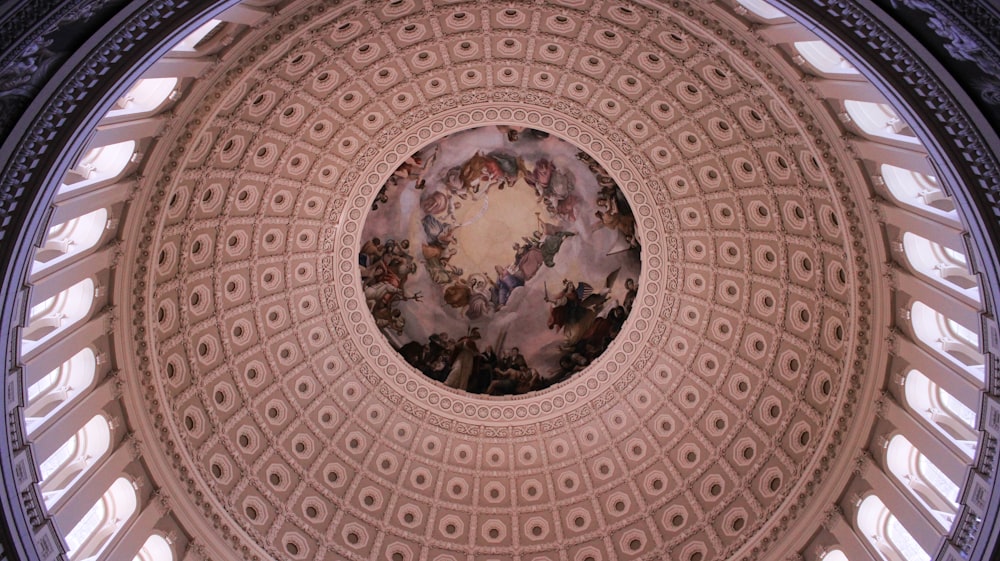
[500, 260]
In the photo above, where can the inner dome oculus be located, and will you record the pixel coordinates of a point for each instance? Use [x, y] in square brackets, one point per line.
[500, 260]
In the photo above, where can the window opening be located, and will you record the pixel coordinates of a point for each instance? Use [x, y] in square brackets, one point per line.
[59, 387]
[824, 58]
[949, 339]
[929, 486]
[56, 314]
[102, 521]
[156, 548]
[101, 164]
[940, 264]
[147, 95]
[950, 417]
[70, 238]
[74, 458]
[191, 42]
[885, 534]
[917, 190]
[762, 9]
[879, 120]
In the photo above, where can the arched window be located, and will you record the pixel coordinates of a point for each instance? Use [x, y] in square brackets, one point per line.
[931, 487]
[101, 164]
[70, 238]
[102, 521]
[762, 9]
[146, 96]
[190, 42]
[879, 120]
[57, 313]
[156, 548]
[967, 336]
[940, 263]
[917, 190]
[949, 338]
[71, 460]
[823, 58]
[59, 387]
[834, 555]
[885, 533]
[952, 418]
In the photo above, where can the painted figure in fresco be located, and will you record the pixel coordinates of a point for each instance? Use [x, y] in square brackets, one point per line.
[613, 211]
[511, 375]
[439, 250]
[481, 296]
[540, 177]
[384, 270]
[438, 355]
[515, 133]
[458, 293]
[508, 278]
[379, 259]
[515, 382]
[630, 291]
[437, 232]
[476, 293]
[511, 167]
[437, 203]
[566, 302]
[553, 240]
[432, 358]
[394, 264]
[464, 360]
[529, 258]
[461, 365]
[478, 174]
[438, 262]
[576, 308]
[381, 198]
[371, 251]
[610, 203]
[597, 336]
[412, 169]
[381, 298]
[591, 343]
[555, 188]
[592, 165]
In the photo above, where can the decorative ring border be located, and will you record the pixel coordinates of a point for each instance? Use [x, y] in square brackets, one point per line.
[608, 371]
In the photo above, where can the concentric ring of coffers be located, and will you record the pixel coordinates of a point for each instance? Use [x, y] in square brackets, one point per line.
[306, 427]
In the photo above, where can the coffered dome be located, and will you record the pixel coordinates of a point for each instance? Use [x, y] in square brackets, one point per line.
[713, 418]
[771, 268]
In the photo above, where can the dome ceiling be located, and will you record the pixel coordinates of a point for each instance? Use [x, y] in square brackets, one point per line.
[704, 430]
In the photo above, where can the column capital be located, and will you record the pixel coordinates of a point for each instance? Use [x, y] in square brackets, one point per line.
[832, 516]
[161, 501]
[862, 461]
